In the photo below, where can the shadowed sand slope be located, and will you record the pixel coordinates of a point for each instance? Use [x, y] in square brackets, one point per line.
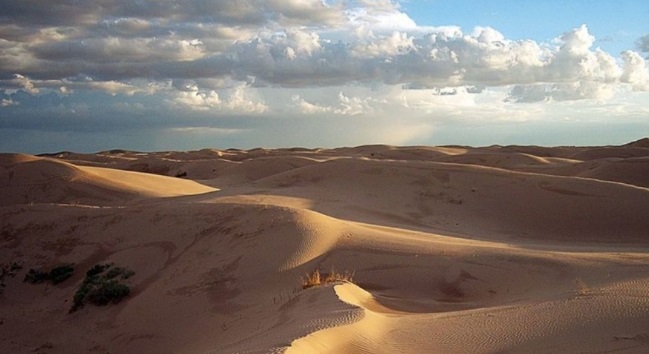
[452, 250]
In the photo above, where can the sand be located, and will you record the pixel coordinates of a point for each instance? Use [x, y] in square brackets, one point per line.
[501, 249]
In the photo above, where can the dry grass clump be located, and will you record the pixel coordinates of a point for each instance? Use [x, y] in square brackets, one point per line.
[316, 278]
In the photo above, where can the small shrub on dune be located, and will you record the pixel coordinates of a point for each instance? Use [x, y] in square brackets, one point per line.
[8, 270]
[97, 269]
[56, 275]
[107, 291]
[316, 278]
[80, 296]
[35, 276]
[120, 272]
[62, 273]
[101, 287]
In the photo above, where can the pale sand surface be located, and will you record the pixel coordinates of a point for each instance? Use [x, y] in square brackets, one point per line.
[516, 249]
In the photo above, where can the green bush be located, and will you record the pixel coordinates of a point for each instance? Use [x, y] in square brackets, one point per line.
[123, 273]
[127, 273]
[60, 274]
[107, 291]
[97, 269]
[35, 276]
[101, 287]
[80, 296]
[8, 270]
[56, 275]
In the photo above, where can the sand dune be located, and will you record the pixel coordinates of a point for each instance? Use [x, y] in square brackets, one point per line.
[453, 250]
[28, 179]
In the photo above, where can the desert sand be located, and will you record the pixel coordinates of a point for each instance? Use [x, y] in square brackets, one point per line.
[500, 249]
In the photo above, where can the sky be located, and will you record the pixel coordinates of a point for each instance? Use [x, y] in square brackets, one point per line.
[152, 75]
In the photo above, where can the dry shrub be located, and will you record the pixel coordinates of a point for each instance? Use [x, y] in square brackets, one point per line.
[316, 278]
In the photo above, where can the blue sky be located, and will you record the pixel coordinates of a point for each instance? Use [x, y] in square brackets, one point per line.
[616, 24]
[152, 75]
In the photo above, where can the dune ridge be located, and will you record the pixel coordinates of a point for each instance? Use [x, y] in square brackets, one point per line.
[453, 249]
[30, 179]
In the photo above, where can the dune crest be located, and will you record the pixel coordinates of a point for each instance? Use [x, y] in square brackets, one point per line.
[30, 179]
[453, 249]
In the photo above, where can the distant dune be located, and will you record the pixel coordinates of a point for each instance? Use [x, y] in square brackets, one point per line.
[451, 249]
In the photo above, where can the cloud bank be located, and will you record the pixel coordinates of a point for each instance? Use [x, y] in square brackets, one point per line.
[229, 64]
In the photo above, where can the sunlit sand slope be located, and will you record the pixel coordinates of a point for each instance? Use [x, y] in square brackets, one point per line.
[30, 179]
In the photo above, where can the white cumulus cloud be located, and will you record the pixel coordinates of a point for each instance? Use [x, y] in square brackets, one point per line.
[236, 100]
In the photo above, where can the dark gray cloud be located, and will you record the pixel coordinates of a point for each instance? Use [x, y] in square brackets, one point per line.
[98, 111]
[53, 13]
[233, 12]
[115, 39]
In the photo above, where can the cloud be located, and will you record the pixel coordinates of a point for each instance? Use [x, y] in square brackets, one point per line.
[111, 49]
[643, 44]
[7, 102]
[636, 71]
[560, 92]
[397, 43]
[24, 83]
[80, 83]
[362, 69]
[205, 130]
[442, 58]
[309, 108]
[305, 12]
[238, 100]
[287, 43]
[381, 15]
[241, 12]
[345, 105]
